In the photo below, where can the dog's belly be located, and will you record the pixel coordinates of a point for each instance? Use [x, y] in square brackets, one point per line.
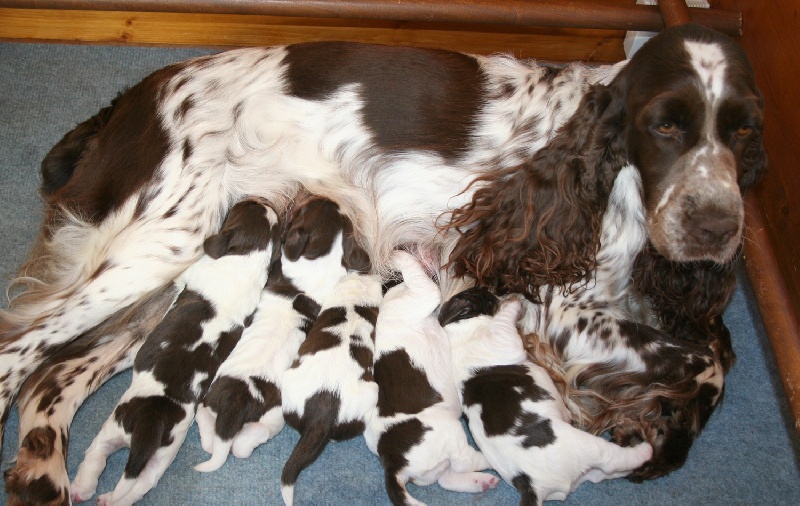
[255, 139]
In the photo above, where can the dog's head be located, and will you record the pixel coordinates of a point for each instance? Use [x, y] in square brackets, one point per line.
[313, 229]
[694, 130]
[251, 225]
[685, 111]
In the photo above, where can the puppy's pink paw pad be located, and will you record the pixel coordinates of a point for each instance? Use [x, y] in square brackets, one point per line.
[490, 483]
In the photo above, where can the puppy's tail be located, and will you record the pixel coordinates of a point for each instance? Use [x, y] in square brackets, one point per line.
[396, 489]
[219, 454]
[149, 419]
[527, 493]
[313, 439]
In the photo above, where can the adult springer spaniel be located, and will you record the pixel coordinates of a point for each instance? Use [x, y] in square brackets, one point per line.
[499, 167]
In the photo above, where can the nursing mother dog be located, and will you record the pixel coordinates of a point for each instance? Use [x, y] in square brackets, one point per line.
[499, 168]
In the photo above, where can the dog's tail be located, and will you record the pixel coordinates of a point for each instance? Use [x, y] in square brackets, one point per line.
[527, 493]
[150, 420]
[396, 489]
[315, 434]
[219, 454]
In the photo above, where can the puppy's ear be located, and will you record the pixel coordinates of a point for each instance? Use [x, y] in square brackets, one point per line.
[295, 243]
[217, 245]
[470, 303]
[454, 310]
[355, 258]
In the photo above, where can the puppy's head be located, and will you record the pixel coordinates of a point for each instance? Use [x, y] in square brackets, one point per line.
[470, 303]
[482, 329]
[251, 225]
[313, 229]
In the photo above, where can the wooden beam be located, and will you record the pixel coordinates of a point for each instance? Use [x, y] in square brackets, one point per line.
[674, 12]
[774, 303]
[228, 30]
[772, 251]
[547, 13]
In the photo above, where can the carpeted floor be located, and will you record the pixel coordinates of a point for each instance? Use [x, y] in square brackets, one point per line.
[748, 453]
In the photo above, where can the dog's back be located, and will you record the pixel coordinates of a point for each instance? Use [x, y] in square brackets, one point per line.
[329, 391]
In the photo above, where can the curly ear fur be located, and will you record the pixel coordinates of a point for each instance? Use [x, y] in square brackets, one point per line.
[539, 224]
[689, 299]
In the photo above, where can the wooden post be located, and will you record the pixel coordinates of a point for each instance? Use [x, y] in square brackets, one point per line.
[674, 12]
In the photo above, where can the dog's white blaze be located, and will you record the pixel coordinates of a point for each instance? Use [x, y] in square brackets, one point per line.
[708, 61]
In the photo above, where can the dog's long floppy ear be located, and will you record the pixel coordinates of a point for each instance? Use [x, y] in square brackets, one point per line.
[355, 258]
[689, 298]
[754, 161]
[217, 245]
[62, 159]
[539, 223]
[295, 242]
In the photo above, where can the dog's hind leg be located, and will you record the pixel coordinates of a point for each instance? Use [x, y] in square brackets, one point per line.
[56, 389]
[470, 482]
[99, 268]
[110, 439]
[257, 433]
[134, 485]
[463, 475]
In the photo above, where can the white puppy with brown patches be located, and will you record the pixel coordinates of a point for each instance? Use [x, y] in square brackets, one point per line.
[175, 365]
[416, 427]
[242, 408]
[515, 413]
[329, 392]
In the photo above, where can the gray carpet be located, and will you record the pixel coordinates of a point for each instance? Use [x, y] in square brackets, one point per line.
[748, 453]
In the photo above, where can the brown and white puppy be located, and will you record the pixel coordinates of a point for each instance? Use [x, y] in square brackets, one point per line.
[329, 391]
[177, 361]
[416, 427]
[516, 415]
[242, 408]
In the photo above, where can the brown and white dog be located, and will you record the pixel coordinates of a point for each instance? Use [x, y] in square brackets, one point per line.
[499, 166]
[178, 360]
[242, 408]
[516, 415]
[416, 426]
[329, 391]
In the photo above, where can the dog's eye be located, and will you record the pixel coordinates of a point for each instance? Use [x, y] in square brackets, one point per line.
[743, 130]
[667, 128]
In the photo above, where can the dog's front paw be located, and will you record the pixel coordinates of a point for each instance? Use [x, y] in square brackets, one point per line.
[81, 490]
[39, 475]
[670, 448]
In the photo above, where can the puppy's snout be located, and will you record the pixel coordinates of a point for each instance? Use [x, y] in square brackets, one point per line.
[713, 227]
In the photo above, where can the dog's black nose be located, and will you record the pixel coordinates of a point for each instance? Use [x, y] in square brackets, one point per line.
[713, 227]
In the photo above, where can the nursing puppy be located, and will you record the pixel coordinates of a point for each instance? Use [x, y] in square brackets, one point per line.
[329, 392]
[242, 408]
[515, 413]
[416, 426]
[177, 361]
